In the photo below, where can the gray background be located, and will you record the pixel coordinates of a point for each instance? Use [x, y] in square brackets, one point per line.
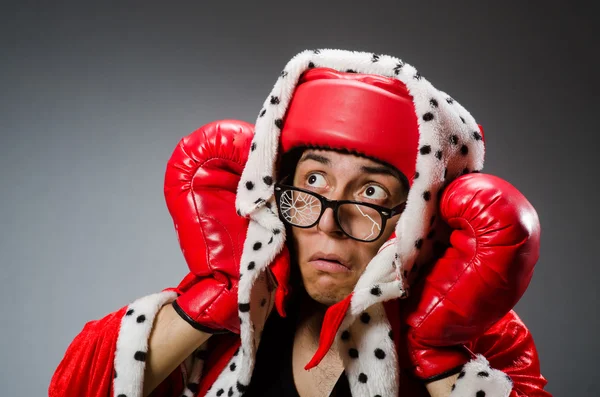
[95, 97]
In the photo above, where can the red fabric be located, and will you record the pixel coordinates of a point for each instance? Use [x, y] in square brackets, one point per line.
[333, 109]
[87, 366]
[494, 248]
[331, 323]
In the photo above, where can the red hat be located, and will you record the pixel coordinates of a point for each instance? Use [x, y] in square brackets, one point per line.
[363, 114]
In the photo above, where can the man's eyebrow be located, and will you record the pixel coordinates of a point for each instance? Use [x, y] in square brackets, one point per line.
[316, 157]
[383, 170]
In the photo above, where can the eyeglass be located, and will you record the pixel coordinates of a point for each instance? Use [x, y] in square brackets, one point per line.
[358, 220]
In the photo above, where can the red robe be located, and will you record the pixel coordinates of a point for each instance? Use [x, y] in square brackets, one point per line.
[88, 366]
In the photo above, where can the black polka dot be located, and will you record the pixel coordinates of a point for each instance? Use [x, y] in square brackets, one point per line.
[249, 185]
[268, 205]
[438, 154]
[450, 100]
[244, 307]
[480, 393]
[433, 102]
[428, 116]
[483, 374]
[141, 318]
[115, 376]
[129, 312]
[430, 234]
[391, 335]
[317, 51]
[262, 113]
[140, 356]
[417, 174]
[220, 392]
[353, 353]
[193, 387]
[258, 201]
[417, 76]
[251, 265]
[425, 149]
[375, 58]
[377, 395]
[362, 378]
[263, 302]
[350, 71]
[268, 180]
[345, 335]
[230, 392]
[283, 73]
[257, 245]
[279, 123]
[241, 388]
[453, 387]
[398, 67]
[365, 318]
[477, 135]
[122, 395]
[270, 240]
[274, 100]
[427, 195]
[253, 146]
[380, 354]
[464, 150]
[454, 139]
[462, 119]
[461, 374]
[238, 212]
[276, 231]
[419, 243]
[376, 290]
[232, 367]
[311, 65]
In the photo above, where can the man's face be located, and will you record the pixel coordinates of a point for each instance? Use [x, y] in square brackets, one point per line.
[331, 262]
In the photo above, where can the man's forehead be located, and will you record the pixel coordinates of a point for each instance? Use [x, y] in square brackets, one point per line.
[332, 156]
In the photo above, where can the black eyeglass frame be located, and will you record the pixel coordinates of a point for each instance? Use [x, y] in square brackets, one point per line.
[384, 212]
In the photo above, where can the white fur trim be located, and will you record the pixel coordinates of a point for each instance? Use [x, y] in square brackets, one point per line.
[448, 140]
[132, 343]
[478, 379]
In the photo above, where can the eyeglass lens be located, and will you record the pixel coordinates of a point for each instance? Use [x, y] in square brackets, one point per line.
[359, 221]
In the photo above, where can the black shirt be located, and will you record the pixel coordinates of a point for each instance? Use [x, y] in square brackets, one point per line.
[273, 373]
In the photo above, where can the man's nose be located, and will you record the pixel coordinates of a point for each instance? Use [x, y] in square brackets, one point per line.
[328, 225]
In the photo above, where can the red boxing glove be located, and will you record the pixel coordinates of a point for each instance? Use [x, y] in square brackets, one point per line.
[200, 188]
[481, 276]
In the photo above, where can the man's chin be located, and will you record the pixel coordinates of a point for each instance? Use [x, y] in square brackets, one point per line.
[327, 296]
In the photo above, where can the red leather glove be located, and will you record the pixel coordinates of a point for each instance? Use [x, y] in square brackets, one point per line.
[200, 187]
[481, 276]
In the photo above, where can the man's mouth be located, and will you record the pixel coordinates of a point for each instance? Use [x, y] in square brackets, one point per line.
[329, 262]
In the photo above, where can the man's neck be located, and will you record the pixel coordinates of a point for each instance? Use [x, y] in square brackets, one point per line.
[310, 318]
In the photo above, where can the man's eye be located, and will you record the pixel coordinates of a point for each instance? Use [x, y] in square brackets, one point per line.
[375, 192]
[316, 180]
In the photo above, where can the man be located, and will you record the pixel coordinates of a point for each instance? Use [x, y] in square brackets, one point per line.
[365, 254]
